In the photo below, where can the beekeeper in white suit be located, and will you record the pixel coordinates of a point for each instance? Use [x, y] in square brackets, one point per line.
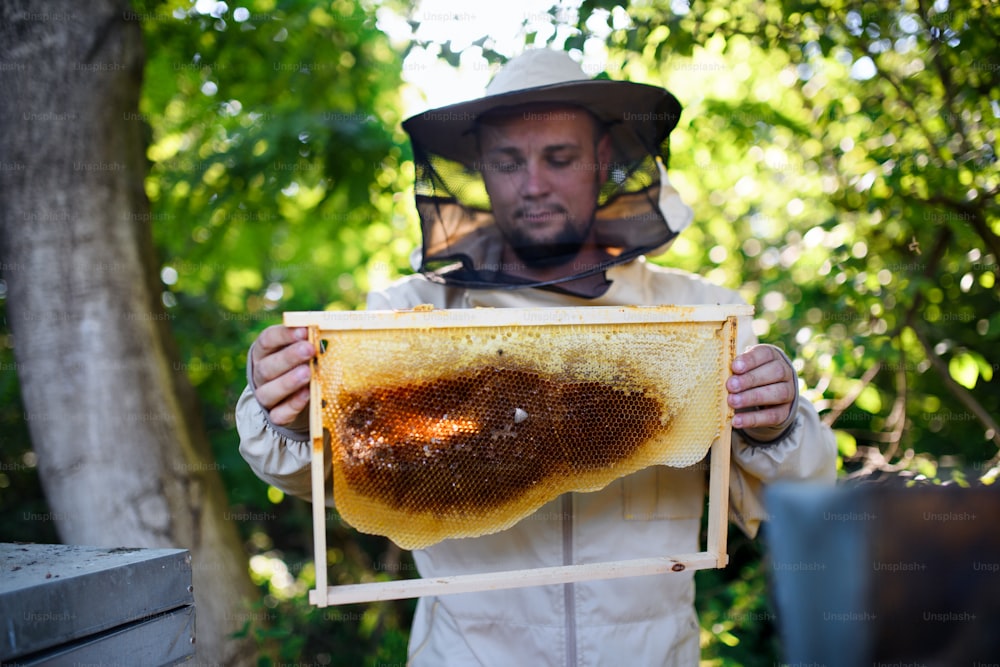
[549, 191]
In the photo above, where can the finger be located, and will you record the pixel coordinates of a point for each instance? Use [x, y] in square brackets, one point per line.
[273, 393]
[276, 364]
[275, 338]
[761, 418]
[754, 357]
[771, 372]
[287, 411]
[778, 393]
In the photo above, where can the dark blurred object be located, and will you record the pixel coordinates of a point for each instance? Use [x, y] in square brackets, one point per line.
[886, 575]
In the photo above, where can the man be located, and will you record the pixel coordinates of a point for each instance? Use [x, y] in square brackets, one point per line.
[547, 192]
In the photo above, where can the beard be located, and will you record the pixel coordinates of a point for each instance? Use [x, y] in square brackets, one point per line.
[556, 249]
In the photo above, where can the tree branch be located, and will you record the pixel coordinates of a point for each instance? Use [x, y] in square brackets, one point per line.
[848, 400]
[875, 460]
[957, 390]
[915, 117]
[975, 217]
[897, 416]
[953, 120]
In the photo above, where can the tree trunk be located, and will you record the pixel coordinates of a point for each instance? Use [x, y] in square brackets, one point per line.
[122, 454]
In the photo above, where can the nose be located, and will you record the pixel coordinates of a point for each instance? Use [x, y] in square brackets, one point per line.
[535, 181]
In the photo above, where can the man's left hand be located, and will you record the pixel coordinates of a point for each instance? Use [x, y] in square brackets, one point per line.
[762, 388]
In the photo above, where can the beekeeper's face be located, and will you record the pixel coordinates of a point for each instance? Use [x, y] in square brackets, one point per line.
[543, 167]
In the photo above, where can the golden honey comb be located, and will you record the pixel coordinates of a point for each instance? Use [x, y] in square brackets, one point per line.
[462, 423]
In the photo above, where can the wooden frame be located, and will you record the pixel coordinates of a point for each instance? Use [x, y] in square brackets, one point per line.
[714, 555]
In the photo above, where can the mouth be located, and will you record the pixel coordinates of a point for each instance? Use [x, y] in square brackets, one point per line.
[538, 216]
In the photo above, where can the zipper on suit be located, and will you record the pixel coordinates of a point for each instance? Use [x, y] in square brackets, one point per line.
[569, 598]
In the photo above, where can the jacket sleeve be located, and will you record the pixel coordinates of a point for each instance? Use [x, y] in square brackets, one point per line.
[281, 461]
[281, 456]
[806, 451]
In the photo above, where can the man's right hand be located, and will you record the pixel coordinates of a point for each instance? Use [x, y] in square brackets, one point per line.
[280, 358]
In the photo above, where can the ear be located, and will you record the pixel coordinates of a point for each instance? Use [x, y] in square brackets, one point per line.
[603, 158]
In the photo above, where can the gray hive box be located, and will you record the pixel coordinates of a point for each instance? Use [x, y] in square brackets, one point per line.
[886, 575]
[72, 605]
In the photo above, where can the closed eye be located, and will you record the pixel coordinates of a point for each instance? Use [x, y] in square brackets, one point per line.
[561, 157]
[506, 167]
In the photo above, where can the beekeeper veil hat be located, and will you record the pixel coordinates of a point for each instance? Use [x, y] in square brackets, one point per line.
[637, 211]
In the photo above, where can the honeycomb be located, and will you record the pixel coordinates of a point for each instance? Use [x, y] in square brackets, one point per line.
[461, 431]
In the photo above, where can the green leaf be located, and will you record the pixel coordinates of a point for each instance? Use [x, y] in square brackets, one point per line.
[846, 444]
[964, 370]
[926, 467]
[869, 400]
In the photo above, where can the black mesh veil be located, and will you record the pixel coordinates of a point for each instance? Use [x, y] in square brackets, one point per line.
[637, 211]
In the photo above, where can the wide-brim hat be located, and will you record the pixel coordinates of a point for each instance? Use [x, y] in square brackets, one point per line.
[638, 116]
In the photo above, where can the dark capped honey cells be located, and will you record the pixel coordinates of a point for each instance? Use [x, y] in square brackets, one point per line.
[481, 439]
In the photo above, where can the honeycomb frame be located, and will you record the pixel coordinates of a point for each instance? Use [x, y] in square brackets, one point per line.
[721, 321]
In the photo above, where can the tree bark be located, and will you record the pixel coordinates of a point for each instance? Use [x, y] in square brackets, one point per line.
[122, 454]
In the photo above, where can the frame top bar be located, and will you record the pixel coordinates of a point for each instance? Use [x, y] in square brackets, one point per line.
[422, 318]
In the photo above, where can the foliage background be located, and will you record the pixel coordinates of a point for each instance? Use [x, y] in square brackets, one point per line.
[840, 158]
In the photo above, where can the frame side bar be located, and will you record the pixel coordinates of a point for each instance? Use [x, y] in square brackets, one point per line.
[718, 485]
[318, 471]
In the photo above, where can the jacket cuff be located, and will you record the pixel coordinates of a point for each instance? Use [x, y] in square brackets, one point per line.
[752, 436]
[298, 430]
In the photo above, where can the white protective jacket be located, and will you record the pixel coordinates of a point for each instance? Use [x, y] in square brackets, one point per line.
[648, 620]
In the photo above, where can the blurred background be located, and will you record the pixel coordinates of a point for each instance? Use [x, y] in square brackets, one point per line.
[839, 156]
